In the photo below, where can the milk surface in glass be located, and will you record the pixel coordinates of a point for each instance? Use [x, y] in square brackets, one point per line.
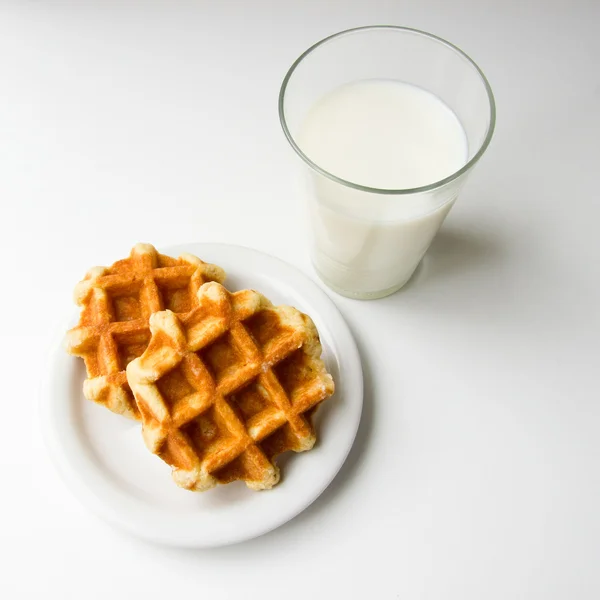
[387, 135]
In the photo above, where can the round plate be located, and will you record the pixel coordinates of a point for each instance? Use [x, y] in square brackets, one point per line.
[103, 458]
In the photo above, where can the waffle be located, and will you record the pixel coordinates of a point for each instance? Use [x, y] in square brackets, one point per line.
[226, 388]
[116, 303]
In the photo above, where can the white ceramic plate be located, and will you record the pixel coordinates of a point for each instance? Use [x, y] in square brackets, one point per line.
[104, 461]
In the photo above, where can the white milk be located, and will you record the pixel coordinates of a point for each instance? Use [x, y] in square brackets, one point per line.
[386, 135]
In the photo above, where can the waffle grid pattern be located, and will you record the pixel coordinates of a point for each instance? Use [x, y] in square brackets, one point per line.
[117, 303]
[226, 388]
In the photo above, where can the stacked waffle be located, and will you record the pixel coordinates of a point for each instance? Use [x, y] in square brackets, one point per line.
[222, 382]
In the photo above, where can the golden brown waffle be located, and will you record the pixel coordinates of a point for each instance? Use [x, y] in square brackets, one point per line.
[116, 305]
[229, 386]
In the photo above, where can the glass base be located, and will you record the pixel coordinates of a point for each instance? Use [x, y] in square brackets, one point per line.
[361, 295]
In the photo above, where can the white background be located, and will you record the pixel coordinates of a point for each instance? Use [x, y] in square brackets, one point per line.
[476, 471]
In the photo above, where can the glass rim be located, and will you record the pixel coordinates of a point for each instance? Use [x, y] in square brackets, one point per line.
[425, 188]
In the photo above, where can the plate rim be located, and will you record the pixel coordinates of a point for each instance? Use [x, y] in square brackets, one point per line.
[67, 465]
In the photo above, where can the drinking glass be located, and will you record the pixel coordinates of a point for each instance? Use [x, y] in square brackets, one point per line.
[367, 242]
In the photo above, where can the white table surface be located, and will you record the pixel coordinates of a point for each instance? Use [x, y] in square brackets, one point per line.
[476, 470]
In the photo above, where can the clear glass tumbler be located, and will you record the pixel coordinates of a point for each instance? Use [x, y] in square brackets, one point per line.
[367, 242]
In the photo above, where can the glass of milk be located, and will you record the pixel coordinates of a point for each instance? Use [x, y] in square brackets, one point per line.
[389, 121]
